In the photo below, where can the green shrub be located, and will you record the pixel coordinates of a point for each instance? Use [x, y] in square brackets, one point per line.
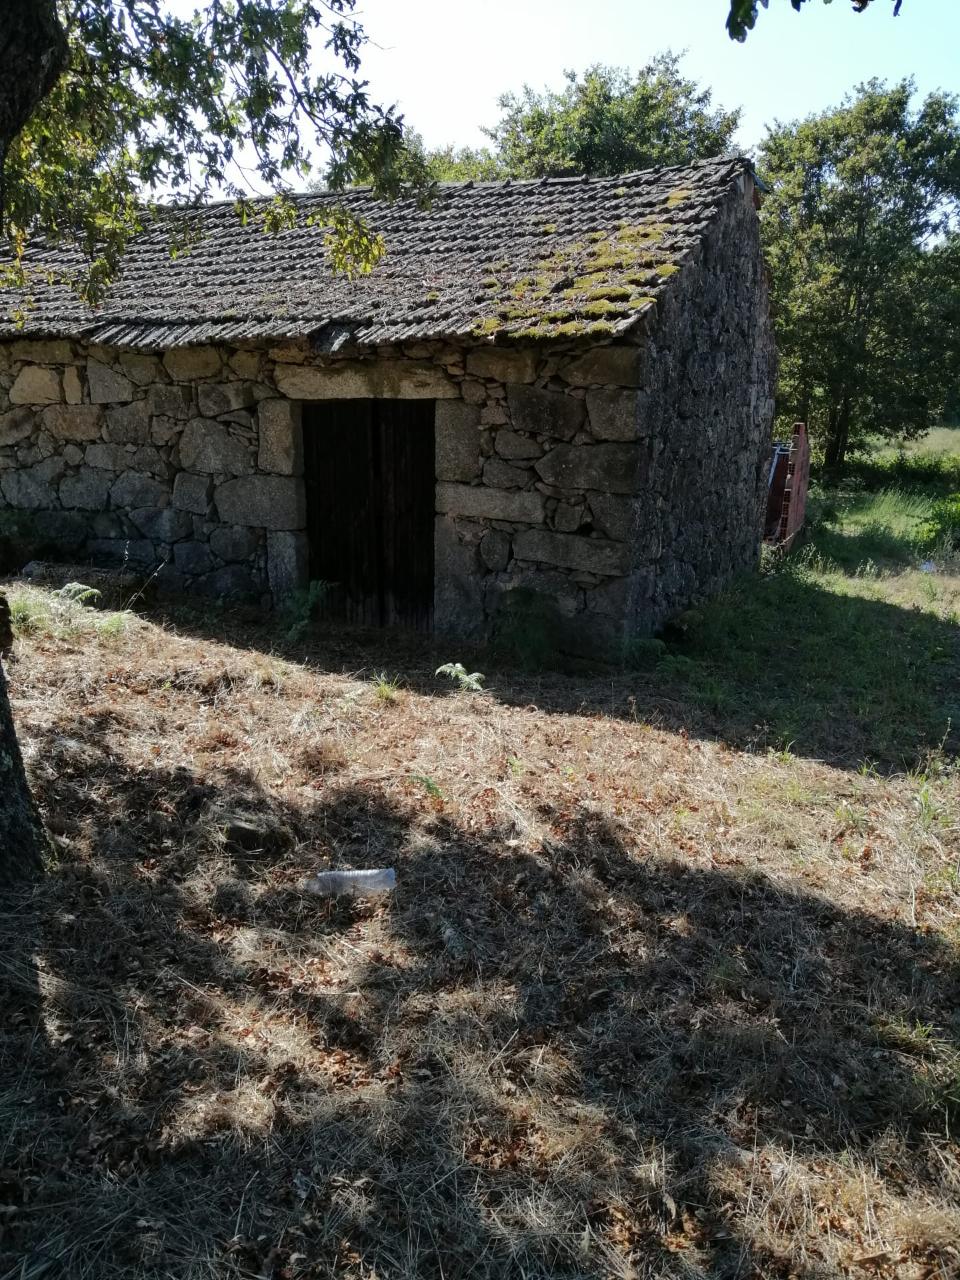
[529, 630]
[642, 653]
[301, 607]
[28, 616]
[943, 527]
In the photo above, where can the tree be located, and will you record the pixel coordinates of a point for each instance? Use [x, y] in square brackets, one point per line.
[22, 842]
[437, 164]
[126, 101]
[743, 13]
[610, 121]
[860, 232]
[108, 105]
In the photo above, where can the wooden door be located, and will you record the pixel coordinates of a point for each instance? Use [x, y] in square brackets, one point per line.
[369, 472]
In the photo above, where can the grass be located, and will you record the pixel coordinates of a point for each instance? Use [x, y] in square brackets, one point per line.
[668, 986]
[848, 647]
[386, 688]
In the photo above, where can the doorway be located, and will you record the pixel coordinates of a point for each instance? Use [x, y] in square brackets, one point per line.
[369, 475]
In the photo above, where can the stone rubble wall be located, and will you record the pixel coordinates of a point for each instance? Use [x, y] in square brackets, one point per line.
[708, 398]
[185, 462]
[617, 482]
[194, 461]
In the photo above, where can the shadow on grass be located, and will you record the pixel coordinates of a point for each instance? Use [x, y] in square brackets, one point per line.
[565, 1062]
[778, 661]
[876, 544]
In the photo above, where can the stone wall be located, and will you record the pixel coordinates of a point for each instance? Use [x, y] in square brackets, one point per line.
[709, 382]
[619, 482]
[193, 461]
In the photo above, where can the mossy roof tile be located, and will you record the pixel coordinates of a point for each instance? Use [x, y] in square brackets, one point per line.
[487, 261]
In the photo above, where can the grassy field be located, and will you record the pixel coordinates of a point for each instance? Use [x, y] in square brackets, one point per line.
[668, 987]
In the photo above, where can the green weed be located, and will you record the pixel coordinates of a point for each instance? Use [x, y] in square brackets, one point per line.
[28, 617]
[79, 593]
[114, 625]
[385, 688]
[428, 784]
[835, 649]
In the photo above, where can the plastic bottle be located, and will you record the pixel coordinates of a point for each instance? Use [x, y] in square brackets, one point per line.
[329, 883]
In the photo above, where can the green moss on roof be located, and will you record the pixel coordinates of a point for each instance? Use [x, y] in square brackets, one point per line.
[611, 236]
[600, 308]
[584, 286]
[597, 290]
[678, 196]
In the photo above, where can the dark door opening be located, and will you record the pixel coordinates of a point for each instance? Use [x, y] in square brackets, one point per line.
[369, 474]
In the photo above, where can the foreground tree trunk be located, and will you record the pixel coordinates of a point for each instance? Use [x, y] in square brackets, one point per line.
[22, 840]
[33, 54]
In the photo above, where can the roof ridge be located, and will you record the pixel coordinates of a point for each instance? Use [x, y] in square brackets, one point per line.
[472, 184]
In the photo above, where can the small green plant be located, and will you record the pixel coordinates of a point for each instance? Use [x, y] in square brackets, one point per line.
[676, 666]
[26, 616]
[114, 625]
[928, 811]
[642, 653]
[79, 593]
[429, 786]
[529, 629]
[302, 606]
[467, 681]
[385, 689]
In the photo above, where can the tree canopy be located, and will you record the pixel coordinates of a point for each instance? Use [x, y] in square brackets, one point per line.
[607, 121]
[861, 232]
[743, 13]
[152, 105]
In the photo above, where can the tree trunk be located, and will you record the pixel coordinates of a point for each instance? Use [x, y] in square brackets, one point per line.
[22, 841]
[33, 54]
[838, 437]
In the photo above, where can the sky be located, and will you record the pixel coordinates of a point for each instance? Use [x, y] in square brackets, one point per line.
[445, 62]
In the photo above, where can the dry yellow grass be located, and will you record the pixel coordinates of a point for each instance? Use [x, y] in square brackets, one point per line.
[645, 1003]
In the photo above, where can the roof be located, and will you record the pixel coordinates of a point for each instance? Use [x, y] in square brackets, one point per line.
[548, 258]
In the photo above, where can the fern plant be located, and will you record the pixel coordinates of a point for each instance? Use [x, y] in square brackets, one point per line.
[79, 593]
[468, 681]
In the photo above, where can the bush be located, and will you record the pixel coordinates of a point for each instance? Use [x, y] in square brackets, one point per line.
[301, 607]
[943, 527]
[529, 630]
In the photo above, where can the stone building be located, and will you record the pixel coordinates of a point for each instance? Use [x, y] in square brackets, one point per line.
[557, 389]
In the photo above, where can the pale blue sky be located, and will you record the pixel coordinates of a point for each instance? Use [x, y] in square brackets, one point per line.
[445, 62]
